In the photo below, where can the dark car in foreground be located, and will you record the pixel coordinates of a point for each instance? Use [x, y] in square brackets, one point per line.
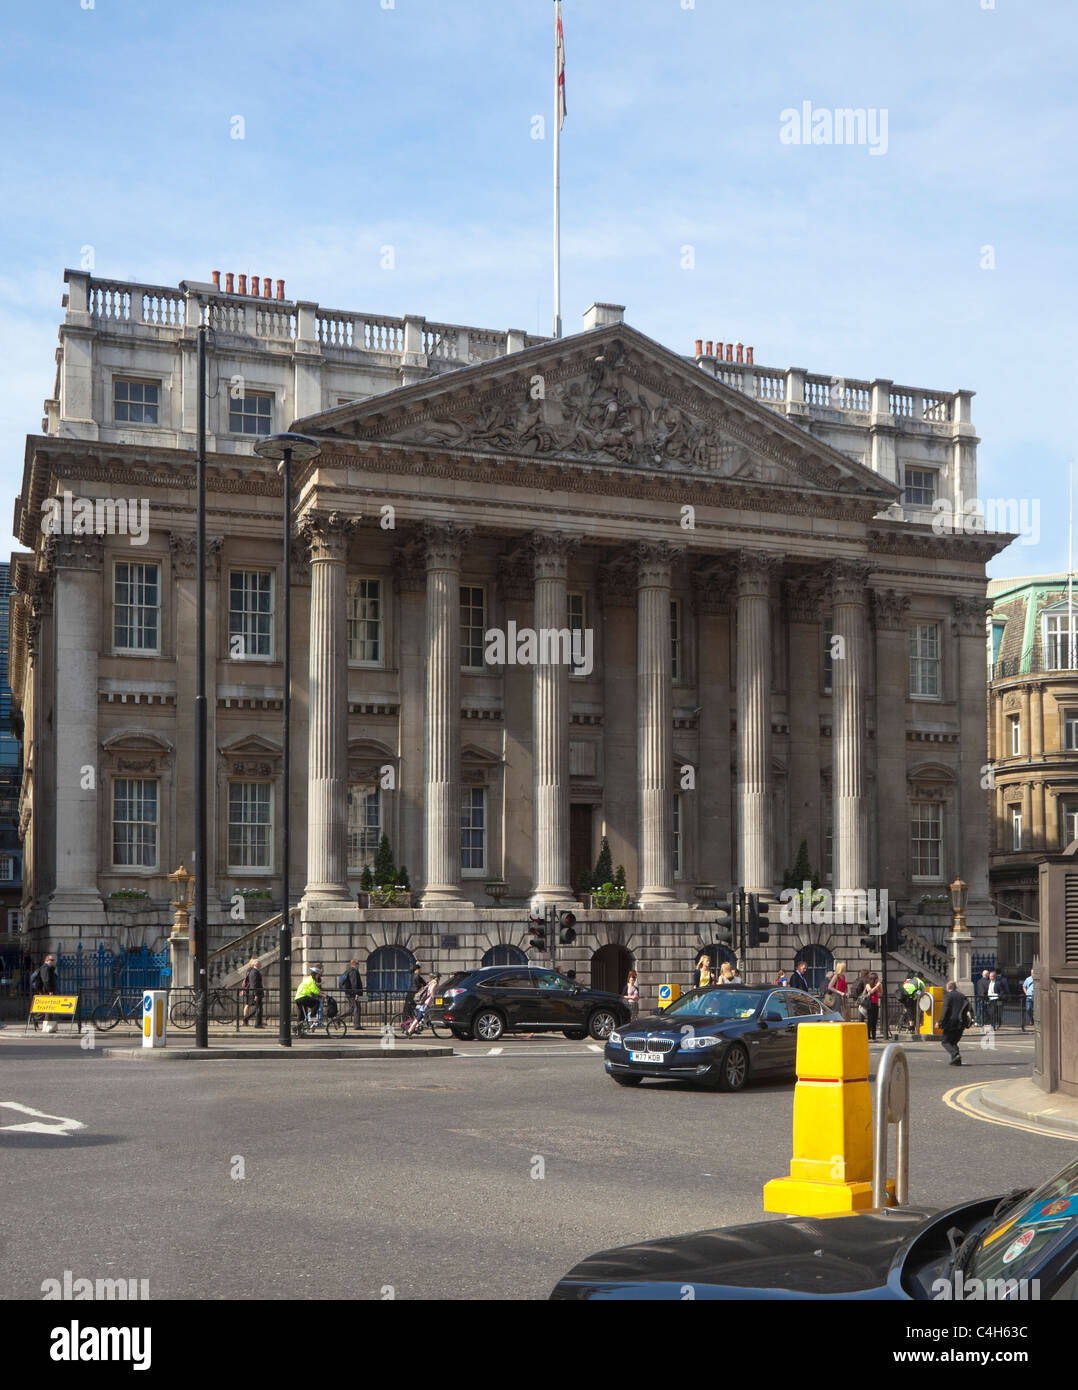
[720, 1036]
[1018, 1248]
[501, 999]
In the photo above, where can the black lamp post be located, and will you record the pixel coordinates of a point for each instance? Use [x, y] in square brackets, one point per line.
[284, 448]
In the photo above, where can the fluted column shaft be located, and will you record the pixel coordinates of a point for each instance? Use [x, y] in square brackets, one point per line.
[550, 720]
[653, 723]
[441, 733]
[851, 684]
[755, 851]
[327, 739]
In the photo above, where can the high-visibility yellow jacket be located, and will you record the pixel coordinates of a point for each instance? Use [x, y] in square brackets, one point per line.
[913, 985]
[308, 987]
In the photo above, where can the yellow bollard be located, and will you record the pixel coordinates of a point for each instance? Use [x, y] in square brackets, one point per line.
[831, 1170]
[928, 1023]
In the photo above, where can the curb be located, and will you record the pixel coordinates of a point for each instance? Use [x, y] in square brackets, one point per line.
[1064, 1125]
[193, 1054]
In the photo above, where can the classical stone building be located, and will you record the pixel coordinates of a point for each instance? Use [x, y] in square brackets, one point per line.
[746, 631]
[1033, 739]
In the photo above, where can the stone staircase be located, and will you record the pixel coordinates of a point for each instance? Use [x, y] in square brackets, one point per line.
[228, 965]
[918, 953]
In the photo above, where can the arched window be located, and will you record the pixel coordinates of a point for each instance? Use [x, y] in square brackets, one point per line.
[389, 970]
[719, 955]
[820, 964]
[504, 955]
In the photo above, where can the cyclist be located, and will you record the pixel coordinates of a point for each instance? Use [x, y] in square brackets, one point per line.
[423, 1003]
[308, 994]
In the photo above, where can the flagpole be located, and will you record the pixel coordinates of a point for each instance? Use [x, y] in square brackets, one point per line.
[557, 170]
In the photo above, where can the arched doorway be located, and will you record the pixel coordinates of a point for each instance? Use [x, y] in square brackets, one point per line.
[719, 956]
[504, 955]
[389, 970]
[820, 964]
[610, 966]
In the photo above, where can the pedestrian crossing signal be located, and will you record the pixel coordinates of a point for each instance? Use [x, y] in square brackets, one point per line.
[567, 928]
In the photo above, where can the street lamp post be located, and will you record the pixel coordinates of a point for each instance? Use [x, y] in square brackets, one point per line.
[284, 448]
[960, 942]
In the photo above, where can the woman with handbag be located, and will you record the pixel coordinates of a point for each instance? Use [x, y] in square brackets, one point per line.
[868, 1005]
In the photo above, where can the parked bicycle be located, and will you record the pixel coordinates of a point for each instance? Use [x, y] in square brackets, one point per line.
[221, 1008]
[122, 1008]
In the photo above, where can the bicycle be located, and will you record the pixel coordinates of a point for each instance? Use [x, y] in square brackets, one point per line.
[220, 1009]
[335, 1027]
[121, 1009]
[438, 1028]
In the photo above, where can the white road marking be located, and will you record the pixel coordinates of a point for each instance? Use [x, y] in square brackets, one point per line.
[594, 1047]
[60, 1125]
[495, 1051]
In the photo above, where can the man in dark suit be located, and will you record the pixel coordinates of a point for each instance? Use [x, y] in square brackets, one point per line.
[955, 1019]
[799, 979]
[997, 988]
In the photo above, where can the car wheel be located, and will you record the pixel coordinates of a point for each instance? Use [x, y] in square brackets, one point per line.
[601, 1024]
[734, 1068]
[628, 1080]
[576, 1034]
[489, 1025]
[461, 1034]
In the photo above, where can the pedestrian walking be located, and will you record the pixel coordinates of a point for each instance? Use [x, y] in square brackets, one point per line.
[837, 989]
[632, 994]
[728, 974]
[868, 1005]
[980, 994]
[799, 979]
[957, 1016]
[703, 976]
[351, 981]
[997, 988]
[44, 981]
[1028, 986]
[252, 993]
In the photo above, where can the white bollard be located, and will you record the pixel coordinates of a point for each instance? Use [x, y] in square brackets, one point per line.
[154, 1016]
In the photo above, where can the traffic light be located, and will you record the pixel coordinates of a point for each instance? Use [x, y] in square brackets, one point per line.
[759, 933]
[537, 938]
[567, 928]
[895, 936]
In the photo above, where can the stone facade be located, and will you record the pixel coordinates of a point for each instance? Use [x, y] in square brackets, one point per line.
[772, 646]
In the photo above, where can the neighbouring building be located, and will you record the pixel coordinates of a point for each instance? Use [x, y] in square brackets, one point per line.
[544, 591]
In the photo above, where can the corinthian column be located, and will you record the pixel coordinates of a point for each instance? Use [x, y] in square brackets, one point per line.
[653, 722]
[754, 570]
[441, 733]
[851, 683]
[550, 718]
[327, 743]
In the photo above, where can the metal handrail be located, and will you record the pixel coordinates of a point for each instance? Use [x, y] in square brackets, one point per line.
[892, 1107]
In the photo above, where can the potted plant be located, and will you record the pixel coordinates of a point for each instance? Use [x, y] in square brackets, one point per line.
[128, 900]
[583, 888]
[612, 893]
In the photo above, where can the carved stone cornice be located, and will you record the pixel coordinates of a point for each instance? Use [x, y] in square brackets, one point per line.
[849, 582]
[299, 564]
[444, 542]
[75, 552]
[617, 582]
[409, 573]
[327, 535]
[889, 608]
[182, 546]
[516, 575]
[712, 585]
[755, 569]
[655, 562]
[550, 552]
[970, 616]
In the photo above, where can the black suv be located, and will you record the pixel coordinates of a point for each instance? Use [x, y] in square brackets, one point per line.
[524, 998]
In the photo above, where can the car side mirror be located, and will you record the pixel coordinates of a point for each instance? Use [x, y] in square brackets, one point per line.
[772, 1017]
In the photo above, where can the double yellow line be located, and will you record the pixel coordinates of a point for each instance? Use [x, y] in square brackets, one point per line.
[958, 1099]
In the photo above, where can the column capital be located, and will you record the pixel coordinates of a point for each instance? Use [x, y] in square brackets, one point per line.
[327, 534]
[890, 608]
[444, 543]
[805, 597]
[970, 615]
[409, 570]
[300, 563]
[655, 563]
[849, 581]
[63, 552]
[712, 585]
[550, 552]
[182, 546]
[516, 575]
[617, 582]
[754, 571]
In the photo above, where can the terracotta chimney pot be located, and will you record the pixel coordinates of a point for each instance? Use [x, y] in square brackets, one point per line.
[228, 282]
[216, 275]
[242, 285]
[280, 289]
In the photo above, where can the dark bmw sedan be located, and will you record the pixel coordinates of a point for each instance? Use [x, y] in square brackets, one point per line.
[501, 999]
[1022, 1247]
[720, 1036]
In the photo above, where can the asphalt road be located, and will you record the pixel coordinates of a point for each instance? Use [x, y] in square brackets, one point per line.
[484, 1175]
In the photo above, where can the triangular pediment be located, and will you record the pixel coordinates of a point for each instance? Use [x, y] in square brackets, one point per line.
[609, 398]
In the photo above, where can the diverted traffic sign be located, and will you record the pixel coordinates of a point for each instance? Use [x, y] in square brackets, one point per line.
[59, 1005]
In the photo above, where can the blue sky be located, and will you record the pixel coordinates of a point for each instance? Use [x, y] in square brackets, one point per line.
[409, 124]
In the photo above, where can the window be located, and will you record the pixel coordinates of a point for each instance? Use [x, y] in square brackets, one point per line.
[675, 639]
[1059, 652]
[578, 611]
[925, 659]
[365, 622]
[137, 608]
[677, 835]
[1016, 736]
[251, 413]
[504, 955]
[550, 979]
[829, 853]
[1069, 815]
[775, 1004]
[920, 487]
[1016, 827]
[364, 825]
[7, 868]
[389, 970]
[828, 660]
[512, 979]
[135, 402]
[926, 837]
[820, 964]
[250, 826]
[250, 614]
[134, 823]
[473, 830]
[1070, 730]
[802, 1005]
[472, 626]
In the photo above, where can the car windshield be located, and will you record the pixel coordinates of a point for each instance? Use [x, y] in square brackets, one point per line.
[721, 1002]
[1015, 1244]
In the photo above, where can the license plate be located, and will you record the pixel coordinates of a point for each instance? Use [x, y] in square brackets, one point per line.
[438, 1002]
[646, 1056]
